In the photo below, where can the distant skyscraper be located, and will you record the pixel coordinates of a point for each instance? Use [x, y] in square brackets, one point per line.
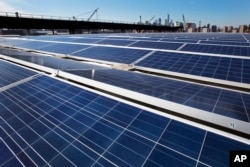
[159, 21]
[230, 28]
[225, 29]
[243, 29]
[214, 28]
[168, 20]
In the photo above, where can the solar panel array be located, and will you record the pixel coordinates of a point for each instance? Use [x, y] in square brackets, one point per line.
[134, 50]
[224, 68]
[225, 50]
[112, 54]
[46, 121]
[215, 100]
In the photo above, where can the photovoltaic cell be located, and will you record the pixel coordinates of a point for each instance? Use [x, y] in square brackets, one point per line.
[87, 40]
[7, 159]
[226, 43]
[115, 42]
[11, 73]
[119, 55]
[219, 101]
[231, 69]
[157, 45]
[216, 49]
[74, 127]
[55, 63]
[180, 40]
[63, 48]
[12, 42]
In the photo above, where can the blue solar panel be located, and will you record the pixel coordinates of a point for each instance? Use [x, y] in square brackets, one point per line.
[222, 102]
[157, 45]
[115, 42]
[11, 73]
[53, 62]
[70, 126]
[34, 44]
[12, 42]
[7, 159]
[225, 50]
[215, 145]
[87, 40]
[226, 43]
[180, 40]
[65, 39]
[231, 69]
[63, 48]
[119, 55]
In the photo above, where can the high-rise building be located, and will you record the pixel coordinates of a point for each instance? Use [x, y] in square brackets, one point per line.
[159, 21]
[191, 27]
[205, 29]
[230, 28]
[167, 21]
[225, 29]
[243, 29]
[214, 28]
[208, 27]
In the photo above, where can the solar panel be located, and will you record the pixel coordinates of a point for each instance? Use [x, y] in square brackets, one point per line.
[157, 45]
[12, 42]
[115, 42]
[34, 44]
[225, 68]
[87, 40]
[225, 50]
[55, 63]
[112, 54]
[8, 158]
[226, 43]
[64, 39]
[11, 73]
[62, 48]
[58, 124]
[46, 121]
[215, 100]
[180, 40]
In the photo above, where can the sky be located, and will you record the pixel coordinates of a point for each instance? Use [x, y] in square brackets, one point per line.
[215, 12]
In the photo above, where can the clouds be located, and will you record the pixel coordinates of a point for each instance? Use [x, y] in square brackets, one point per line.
[12, 6]
[5, 7]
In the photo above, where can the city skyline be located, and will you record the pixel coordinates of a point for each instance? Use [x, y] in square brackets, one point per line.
[221, 13]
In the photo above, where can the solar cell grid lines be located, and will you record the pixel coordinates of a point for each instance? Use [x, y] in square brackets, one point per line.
[12, 42]
[226, 43]
[87, 40]
[63, 48]
[34, 44]
[157, 45]
[193, 95]
[83, 111]
[115, 42]
[57, 123]
[11, 73]
[225, 68]
[217, 49]
[112, 54]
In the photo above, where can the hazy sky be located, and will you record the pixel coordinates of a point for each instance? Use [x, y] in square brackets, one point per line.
[218, 12]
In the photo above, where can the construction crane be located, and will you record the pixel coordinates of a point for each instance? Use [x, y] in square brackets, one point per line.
[184, 22]
[149, 21]
[95, 11]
